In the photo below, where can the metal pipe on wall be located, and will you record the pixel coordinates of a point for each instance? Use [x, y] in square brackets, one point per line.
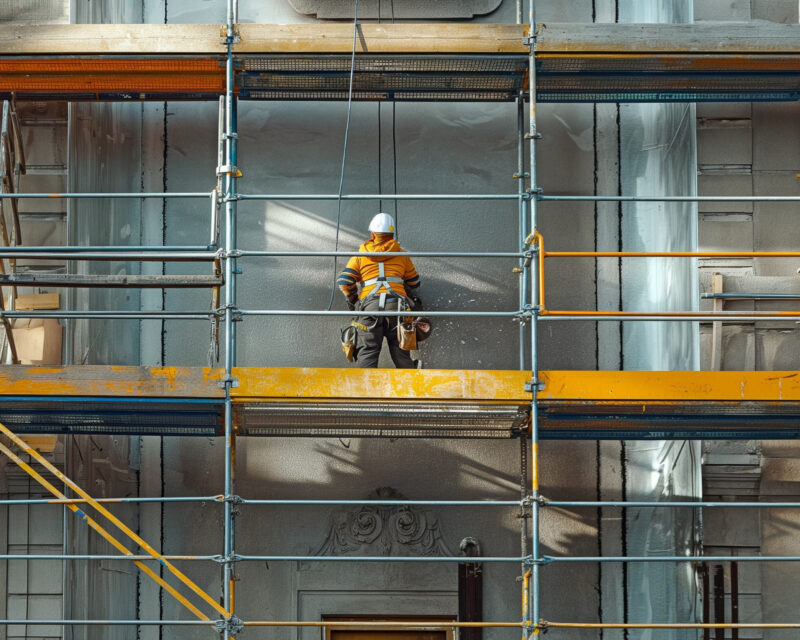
[532, 623]
[230, 306]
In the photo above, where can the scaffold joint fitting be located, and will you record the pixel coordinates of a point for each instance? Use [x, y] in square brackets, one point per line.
[543, 502]
[228, 380]
[225, 37]
[233, 253]
[530, 561]
[517, 176]
[534, 385]
[527, 501]
[232, 625]
[533, 136]
[227, 169]
[233, 499]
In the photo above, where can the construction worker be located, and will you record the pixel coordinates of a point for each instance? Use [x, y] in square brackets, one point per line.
[387, 284]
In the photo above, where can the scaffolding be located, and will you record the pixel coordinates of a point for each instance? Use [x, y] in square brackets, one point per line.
[528, 404]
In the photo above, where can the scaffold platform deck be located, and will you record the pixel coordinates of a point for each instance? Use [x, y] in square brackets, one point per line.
[433, 403]
[403, 62]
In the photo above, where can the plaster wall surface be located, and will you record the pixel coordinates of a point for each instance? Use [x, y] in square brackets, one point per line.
[296, 148]
[750, 149]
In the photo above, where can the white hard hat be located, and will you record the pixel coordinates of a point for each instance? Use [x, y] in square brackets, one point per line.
[382, 223]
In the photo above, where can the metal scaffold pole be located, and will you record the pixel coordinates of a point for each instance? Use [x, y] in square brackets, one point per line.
[531, 583]
[230, 171]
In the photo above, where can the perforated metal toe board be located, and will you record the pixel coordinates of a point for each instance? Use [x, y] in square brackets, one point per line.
[387, 419]
[382, 77]
[162, 417]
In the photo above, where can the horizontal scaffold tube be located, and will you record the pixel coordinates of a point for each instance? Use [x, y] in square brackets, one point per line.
[78, 196]
[382, 254]
[385, 314]
[478, 560]
[546, 624]
[640, 503]
[378, 196]
[372, 624]
[64, 501]
[560, 198]
[111, 315]
[672, 254]
[88, 623]
[106, 558]
[667, 316]
[386, 503]
[108, 253]
[626, 559]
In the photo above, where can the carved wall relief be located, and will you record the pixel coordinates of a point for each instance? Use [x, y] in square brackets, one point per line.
[383, 530]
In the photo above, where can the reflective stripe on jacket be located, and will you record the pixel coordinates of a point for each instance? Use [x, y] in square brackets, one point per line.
[364, 268]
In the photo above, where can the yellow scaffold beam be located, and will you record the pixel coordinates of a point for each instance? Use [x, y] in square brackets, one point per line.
[435, 385]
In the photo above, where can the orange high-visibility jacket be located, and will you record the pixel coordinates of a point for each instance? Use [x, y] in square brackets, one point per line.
[365, 268]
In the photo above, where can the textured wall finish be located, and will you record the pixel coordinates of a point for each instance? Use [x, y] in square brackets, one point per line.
[400, 9]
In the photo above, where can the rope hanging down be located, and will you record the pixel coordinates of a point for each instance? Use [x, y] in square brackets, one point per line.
[344, 152]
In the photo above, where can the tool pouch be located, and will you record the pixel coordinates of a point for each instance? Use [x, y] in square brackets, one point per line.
[407, 335]
[350, 343]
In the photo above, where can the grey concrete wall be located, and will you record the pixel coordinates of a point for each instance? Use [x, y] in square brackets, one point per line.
[296, 147]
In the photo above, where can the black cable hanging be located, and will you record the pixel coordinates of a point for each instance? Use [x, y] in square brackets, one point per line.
[344, 153]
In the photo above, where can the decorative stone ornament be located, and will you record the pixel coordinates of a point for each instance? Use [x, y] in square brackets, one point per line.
[383, 530]
[402, 9]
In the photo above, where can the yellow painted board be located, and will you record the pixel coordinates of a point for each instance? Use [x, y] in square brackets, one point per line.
[381, 384]
[671, 386]
[103, 381]
[259, 384]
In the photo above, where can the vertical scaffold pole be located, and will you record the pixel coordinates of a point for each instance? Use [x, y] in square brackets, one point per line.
[229, 170]
[522, 208]
[534, 591]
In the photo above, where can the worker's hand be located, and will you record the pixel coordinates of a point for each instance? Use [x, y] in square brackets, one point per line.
[417, 302]
[351, 301]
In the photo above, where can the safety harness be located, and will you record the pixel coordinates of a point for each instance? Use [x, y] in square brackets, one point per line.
[407, 328]
[382, 287]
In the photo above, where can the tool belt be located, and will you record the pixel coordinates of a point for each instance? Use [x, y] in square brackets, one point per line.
[410, 329]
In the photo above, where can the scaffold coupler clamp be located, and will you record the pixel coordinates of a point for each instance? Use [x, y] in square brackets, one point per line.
[226, 380]
[534, 385]
[229, 170]
[232, 625]
[236, 313]
[223, 34]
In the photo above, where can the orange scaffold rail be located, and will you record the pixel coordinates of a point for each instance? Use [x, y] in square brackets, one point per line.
[113, 519]
[537, 239]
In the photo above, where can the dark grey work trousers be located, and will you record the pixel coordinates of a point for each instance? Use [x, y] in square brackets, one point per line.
[379, 328]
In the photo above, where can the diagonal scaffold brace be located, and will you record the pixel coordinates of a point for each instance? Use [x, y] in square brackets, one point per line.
[23, 446]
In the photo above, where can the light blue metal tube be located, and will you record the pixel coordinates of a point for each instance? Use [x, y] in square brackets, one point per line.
[363, 254]
[559, 198]
[397, 503]
[78, 196]
[711, 505]
[137, 623]
[378, 196]
[449, 559]
[60, 557]
[230, 306]
[554, 560]
[57, 502]
[751, 296]
[385, 314]
[534, 593]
